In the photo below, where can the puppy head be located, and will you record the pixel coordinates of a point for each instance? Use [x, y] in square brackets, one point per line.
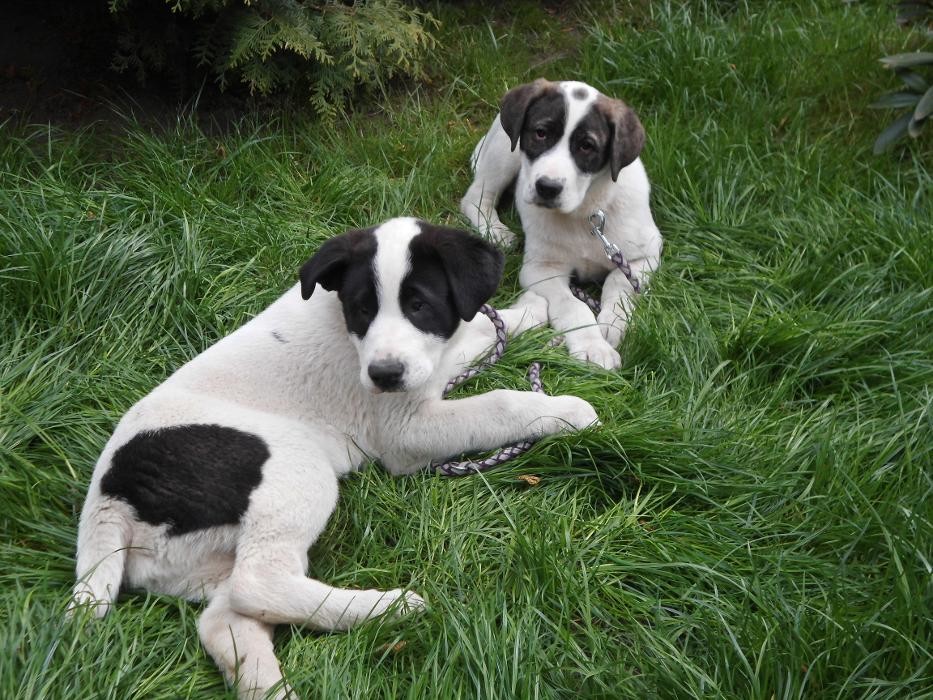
[405, 286]
[569, 135]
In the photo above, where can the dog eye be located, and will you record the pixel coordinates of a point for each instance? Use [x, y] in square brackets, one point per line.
[540, 133]
[586, 146]
[415, 305]
[363, 309]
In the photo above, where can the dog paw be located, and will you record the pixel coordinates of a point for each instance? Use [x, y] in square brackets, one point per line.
[572, 413]
[598, 353]
[501, 236]
[528, 312]
[613, 330]
[399, 602]
[83, 599]
[612, 325]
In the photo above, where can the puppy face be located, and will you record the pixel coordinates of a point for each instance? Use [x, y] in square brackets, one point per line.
[569, 135]
[405, 286]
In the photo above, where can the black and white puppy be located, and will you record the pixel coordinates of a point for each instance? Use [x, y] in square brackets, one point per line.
[215, 484]
[578, 152]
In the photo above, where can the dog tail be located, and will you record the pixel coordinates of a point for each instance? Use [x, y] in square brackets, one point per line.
[103, 538]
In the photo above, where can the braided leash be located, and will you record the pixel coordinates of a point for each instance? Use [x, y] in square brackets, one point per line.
[510, 452]
[492, 358]
[582, 295]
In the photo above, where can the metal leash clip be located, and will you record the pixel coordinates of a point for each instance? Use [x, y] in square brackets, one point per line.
[613, 252]
[597, 222]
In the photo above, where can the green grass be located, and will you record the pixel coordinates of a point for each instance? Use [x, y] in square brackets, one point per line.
[753, 518]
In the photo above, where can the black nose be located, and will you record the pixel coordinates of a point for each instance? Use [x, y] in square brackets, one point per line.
[386, 374]
[548, 188]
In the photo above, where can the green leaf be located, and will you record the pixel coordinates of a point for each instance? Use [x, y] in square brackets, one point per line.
[913, 80]
[895, 99]
[924, 106]
[906, 60]
[894, 132]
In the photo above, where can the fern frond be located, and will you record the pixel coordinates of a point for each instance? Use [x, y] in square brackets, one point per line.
[332, 46]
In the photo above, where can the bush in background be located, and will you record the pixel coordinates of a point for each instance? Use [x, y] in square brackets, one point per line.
[328, 48]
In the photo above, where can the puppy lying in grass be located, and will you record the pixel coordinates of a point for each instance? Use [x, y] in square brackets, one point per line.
[215, 484]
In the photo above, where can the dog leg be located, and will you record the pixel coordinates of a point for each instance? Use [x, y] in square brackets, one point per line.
[617, 303]
[477, 337]
[494, 419]
[569, 315]
[242, 649]
[529, 311]
[268, 581]
[277, 593]
[495, 166]
[618, 300]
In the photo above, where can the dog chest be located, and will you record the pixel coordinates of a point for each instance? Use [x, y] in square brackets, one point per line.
[562, 242]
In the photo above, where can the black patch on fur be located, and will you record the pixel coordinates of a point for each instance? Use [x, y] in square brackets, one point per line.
[358, 295]
[279, 337]
[579, 93]
[345, 264]
[190, 477]
[544, 124]
[425, 296]
[627, 135]
[452, 274]
[590, 141]
[514, 105]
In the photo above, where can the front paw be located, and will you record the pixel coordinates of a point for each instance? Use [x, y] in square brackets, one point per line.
[398, 602]
[570, 413]
[596, 351]
[528, 312]
[501, 235]
[612, 327]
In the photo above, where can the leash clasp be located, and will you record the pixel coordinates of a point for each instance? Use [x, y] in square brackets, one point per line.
[597, 223]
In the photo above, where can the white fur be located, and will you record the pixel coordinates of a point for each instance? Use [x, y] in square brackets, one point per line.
[558, 242]
[316, 411]
[390, 336]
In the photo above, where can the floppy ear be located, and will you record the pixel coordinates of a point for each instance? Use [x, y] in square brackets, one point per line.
[515, 103]
[472, 265]
[627, 136]
[327, 266]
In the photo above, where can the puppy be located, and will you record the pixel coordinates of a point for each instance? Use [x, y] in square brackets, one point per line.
[577, 153]
[214, 486]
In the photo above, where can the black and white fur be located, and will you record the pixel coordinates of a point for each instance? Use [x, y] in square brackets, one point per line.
[578, 152]
[215, 484]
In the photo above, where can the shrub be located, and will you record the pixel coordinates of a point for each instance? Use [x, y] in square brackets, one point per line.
[914, 69]
[328, 48]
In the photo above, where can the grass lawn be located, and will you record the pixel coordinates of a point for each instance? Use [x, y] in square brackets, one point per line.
[752, 520]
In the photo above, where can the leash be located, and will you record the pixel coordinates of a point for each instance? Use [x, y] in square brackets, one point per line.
[597, 224]
[510, 452]
[498, 349]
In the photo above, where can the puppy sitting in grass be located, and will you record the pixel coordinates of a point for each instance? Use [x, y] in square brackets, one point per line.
[577, 153]
[214, 485]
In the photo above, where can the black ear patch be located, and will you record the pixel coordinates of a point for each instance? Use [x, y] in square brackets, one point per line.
[472, 266]
[328, 266]
[627, 135]
[515, 103]
[188, 477]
